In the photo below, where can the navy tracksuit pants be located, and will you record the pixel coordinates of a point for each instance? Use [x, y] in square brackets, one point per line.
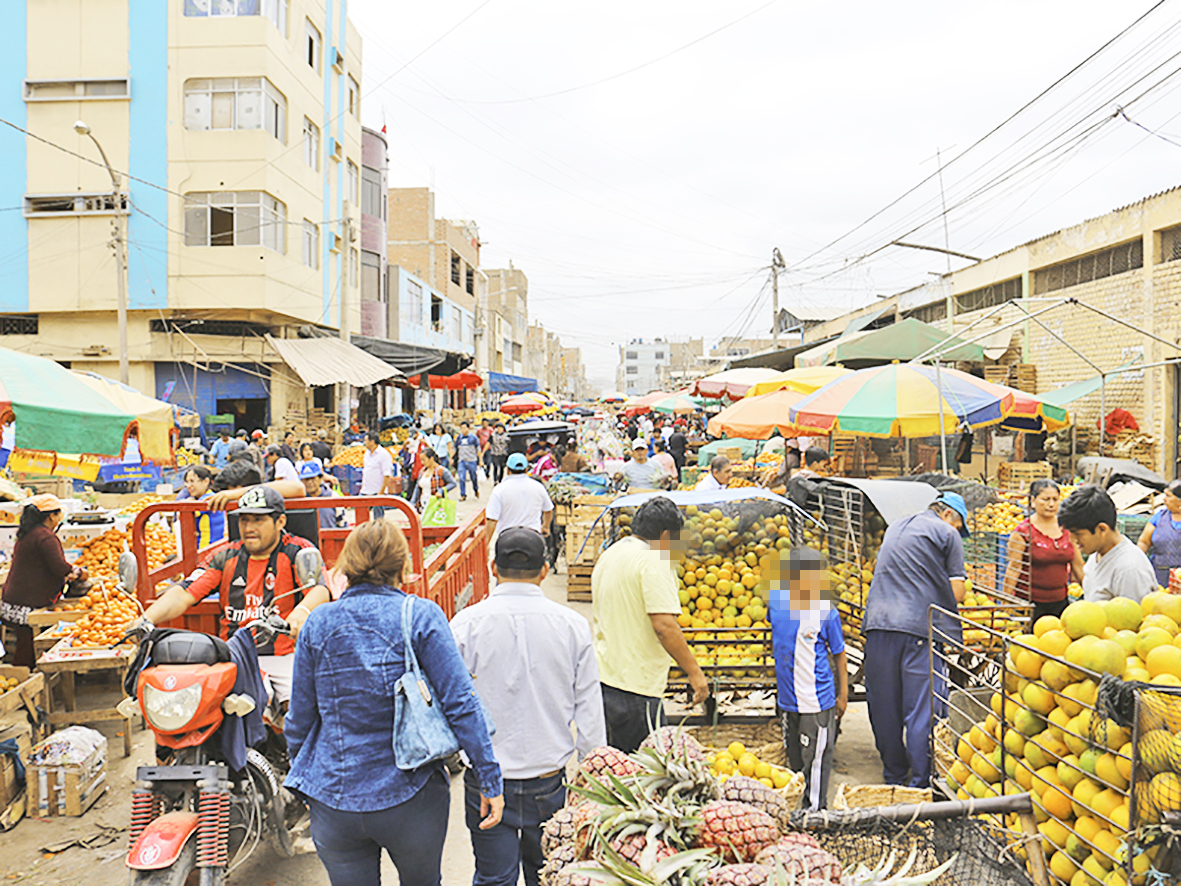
[898, 693]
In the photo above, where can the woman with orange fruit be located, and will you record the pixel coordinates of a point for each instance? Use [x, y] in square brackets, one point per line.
[39, 571]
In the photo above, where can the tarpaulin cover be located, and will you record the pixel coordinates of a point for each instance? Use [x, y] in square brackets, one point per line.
[412, 359]
[904, 340]
[500, 383]
[894, 499]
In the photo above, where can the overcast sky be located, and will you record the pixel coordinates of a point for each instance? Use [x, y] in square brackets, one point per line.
[645, 203]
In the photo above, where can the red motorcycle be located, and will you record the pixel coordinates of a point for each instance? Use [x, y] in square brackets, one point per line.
[196, 813]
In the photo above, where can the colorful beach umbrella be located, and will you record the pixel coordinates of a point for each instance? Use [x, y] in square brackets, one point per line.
[677, 404]
[802, 380]
[522, 403]
[902, 400]
[757, 418]
[733, 383]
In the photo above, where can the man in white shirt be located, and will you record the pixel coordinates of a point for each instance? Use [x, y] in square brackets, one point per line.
[1115, 567]
[533, 663]
[284, 469]
[718, 476]
[377, 471]
[519, 500]
[642, 473]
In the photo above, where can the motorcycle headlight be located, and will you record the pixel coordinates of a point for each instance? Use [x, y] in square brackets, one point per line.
[170, 711]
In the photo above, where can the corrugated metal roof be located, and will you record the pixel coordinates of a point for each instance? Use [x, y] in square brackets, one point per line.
[329, 361]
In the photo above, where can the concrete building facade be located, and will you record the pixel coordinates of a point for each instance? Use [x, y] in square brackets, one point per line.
[505, 317]
[240, 131]
[369, 194]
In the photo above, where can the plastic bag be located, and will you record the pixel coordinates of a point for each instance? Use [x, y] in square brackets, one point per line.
[439, 512]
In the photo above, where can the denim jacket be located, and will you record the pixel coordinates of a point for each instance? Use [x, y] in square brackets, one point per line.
[340, 723]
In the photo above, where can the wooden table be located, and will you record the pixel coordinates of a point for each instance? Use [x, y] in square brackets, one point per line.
[32, 692]
[66, 669]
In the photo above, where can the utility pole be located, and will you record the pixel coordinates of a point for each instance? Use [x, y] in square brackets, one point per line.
[81, 128]
[777, 264]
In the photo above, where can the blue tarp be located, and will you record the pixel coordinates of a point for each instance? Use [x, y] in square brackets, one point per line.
[499, 383]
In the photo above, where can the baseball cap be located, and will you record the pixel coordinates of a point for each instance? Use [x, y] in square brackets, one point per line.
[45, 502]
[310, 469]
[520, 548]
[955, 501]
[640, 443]
[261, 500]
[517, 462]
[257, 435]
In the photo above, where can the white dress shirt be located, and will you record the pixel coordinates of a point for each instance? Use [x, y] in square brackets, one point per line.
[533, 663]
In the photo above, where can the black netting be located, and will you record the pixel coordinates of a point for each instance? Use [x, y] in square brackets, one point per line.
[983, 855]
[1158, 754]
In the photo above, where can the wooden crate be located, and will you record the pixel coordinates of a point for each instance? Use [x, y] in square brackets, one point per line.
[1025, 377]
[562, 513]
[26, 693]
[734, 453]
[997, 375]
[583, 542]
[864, 796]
[67, 789]
[1017, 475]
[578, 583]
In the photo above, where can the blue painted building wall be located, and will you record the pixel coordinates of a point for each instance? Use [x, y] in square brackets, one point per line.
[450, 338]
[14, 255]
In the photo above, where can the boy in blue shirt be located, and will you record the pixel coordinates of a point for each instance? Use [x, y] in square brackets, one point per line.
[805, 633]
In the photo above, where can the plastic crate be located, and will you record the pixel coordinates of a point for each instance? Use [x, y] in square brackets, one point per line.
[349, 477]
[1131, 525]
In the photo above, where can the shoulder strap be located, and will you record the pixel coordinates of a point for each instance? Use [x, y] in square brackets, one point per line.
[407, 640]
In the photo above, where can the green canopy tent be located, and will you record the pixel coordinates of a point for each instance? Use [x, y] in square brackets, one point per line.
[902, 341]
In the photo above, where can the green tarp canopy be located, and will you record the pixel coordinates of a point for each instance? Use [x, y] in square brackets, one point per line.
[901, 341]
[1080, 389]
[749, 449]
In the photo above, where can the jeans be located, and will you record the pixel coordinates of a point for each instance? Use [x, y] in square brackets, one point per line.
[515, 843]
[465, 468]
[349, 843]
[496, 466]
[898, 694]
[630, 717]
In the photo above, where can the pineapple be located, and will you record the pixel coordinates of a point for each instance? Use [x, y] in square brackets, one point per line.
[601, 761]
[738, 831]
[739, 875]
[559, 856]
[570, 825]
[803, 860]
[755, 793]
[675, 739]
[582, 874]
[640, 850]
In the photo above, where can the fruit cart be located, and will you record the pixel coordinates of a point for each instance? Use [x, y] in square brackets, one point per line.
[1070, 716]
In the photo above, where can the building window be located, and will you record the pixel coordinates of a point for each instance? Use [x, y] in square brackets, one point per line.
[275, 10]
[1170, 244]
[354, 183]
[986, 297]
[75, 90]
[632, 355]
[659, 355]
[311, 244]
[632, 370]
[235, 218]
[241, 103]
[456, 323]
[371, 193]
[354, 267]
[931, 313]
[73, 204]
[19, 325]
[371, 277]
[470, 280]
[354, 97]
[516, 353]
[1108, 263]
[313, 46]
[436, 313]
[414, 312]
[311, 144]
[455, 278]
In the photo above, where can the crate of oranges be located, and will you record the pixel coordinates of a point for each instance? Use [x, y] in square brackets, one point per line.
[103, 625]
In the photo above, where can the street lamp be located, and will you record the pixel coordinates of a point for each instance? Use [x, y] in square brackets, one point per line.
[81, 128]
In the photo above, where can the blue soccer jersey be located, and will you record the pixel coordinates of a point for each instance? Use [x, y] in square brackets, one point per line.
[802, 643]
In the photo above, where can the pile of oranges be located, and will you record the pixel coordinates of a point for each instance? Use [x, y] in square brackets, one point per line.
[100, 556]
[140, 503]
[103, 625]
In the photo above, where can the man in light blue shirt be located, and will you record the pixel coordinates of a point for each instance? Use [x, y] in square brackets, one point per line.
[533, 663]
[220, 450]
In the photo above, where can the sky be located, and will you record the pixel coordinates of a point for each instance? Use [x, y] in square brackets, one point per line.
[640, 161]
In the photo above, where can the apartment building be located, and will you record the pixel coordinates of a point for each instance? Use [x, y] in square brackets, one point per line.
[240, 126]
[642, 365]
[370, 195]
[505, 310]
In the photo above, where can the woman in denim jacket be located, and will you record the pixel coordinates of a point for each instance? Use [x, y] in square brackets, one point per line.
[341, 719]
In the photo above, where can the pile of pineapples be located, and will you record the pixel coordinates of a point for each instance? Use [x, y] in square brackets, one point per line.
[660, 816]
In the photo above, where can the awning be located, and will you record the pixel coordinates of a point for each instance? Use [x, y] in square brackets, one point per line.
[782, 360]
[1080, 389]
[329, 361]
[901, 341]
[413, 359]
[865, 321]
[458, 382]
[500, 383]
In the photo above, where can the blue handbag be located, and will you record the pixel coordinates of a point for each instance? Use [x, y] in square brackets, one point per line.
[421, 731]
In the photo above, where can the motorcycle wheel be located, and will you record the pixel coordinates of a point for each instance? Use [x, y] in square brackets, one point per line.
[274, 807]
[176, 874]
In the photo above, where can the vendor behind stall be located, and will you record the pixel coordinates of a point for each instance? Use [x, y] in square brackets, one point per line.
[1041, 556]
[38, 574]
[1161, 538]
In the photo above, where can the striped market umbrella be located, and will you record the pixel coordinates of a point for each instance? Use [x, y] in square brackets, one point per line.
[757, 418]
[678, 404]
[902, 400]
[733, 383]
[522, 403]
[802, 380]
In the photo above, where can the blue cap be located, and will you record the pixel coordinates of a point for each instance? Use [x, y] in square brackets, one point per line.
[311, 469]
[518, 462]
[955, 501]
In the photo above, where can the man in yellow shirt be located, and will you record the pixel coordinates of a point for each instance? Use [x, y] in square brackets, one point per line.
[634, 589]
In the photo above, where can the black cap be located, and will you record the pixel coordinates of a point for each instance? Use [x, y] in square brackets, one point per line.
[261, 500]
[521, 549]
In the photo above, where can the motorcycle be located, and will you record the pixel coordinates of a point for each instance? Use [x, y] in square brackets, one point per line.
[196, 813]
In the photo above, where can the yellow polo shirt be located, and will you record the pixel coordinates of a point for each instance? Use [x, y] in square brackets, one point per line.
[630, 582]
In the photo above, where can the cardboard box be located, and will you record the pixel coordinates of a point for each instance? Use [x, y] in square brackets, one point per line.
[68, 789]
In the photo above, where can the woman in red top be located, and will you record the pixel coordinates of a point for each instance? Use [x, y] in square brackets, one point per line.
[38, 574]
[1041, 556]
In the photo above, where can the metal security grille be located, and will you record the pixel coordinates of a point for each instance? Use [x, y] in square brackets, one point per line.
[989, 296]
[1170, 244]
[1125, 257]
[18, 325]
[931, 313]
[210, 327]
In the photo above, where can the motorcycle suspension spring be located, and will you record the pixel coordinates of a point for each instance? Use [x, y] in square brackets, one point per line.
[223, 830]
[210, 851]
[145, 806]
